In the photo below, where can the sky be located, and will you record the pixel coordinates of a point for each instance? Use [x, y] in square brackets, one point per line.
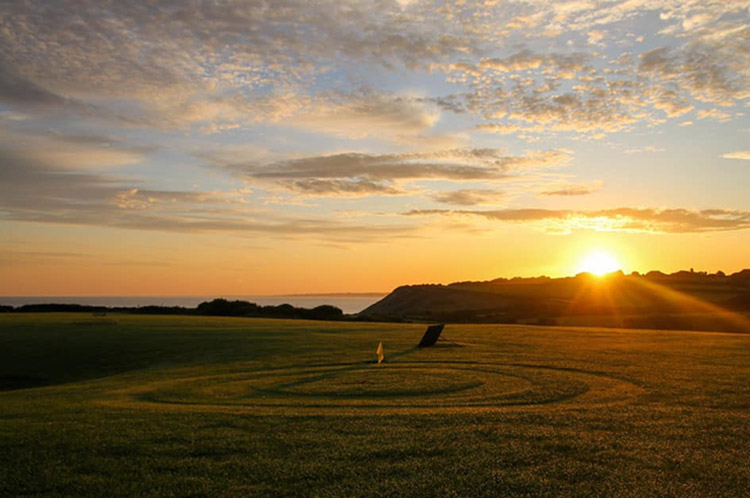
[267, 147]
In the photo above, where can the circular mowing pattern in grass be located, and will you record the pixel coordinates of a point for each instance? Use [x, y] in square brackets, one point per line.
[384, 381]
[408, 387]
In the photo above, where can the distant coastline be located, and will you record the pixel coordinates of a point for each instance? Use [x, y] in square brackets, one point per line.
[334, 294]
[349, 303]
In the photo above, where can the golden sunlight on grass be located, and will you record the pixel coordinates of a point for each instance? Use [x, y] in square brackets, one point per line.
[598, 263]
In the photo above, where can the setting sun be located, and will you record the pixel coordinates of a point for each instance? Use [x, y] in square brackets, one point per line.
[599, 263]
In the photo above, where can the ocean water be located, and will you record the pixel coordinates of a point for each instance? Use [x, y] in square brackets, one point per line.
[348, 304]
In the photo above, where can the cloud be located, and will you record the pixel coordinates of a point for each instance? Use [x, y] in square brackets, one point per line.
[573, 190]
[716, 114]
[543, 102]
[505, 129]
[610, 87]
[20, 91]
[367, 114]
[342, 188]
[533, 92]
[742, 154]
[707, 71]
[672, 104]
[562, 65]
[648, 148]
[75, 152]
[141, 199]
[10, 257]
[175, 62]
[455, 164]
[469, 197]
[218, 66]
[383, 174]
[33, 191]
[652, 220]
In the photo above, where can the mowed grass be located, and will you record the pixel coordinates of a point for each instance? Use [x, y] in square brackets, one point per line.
[188, 406]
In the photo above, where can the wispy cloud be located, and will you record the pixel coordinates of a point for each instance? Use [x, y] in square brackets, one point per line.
[742, 154]
[367, 114]
[342, 187]
[573, 189]
[368, 174]
[624, 219]
[75, 152]
[16, 90]
[648, 148]
[470, 197]
[33, 190]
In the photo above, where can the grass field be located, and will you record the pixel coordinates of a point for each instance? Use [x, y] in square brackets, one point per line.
[127, 405]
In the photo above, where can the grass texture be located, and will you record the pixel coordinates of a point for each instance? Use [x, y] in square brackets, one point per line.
[125, 405]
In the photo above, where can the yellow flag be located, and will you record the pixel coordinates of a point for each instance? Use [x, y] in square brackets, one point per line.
[379, 353]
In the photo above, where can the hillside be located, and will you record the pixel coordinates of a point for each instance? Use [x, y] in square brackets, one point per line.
[684, 300]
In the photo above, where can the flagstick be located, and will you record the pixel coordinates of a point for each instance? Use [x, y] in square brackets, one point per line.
[380, 354]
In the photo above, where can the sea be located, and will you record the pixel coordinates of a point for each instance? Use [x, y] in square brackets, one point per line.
[349, 304]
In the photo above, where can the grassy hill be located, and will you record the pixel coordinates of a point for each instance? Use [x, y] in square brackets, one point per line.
[127, 405]
[683, 300]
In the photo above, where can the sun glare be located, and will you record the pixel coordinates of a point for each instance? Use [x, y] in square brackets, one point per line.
[599, 263]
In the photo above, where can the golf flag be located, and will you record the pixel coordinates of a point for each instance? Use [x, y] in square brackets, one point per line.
[379, 353]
